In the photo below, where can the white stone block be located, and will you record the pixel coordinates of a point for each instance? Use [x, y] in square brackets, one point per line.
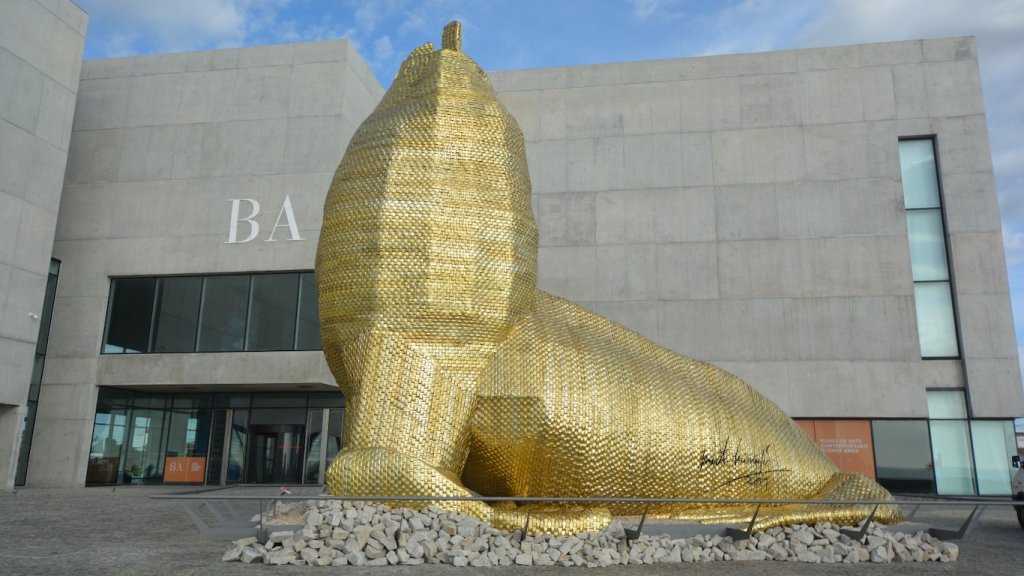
[313, 144]
[751, 211]
[978, 262]
[687, 271]
[818, 329]
[147, 154]
[537, 79]
[651, 108]
[10, 222]
[569, 271]
[547, 162]
[759, 155]
[971, 203]
[594, 112]
[311, 52]
[77, 326]
[725, 103]
[995, 389]
[769, 100]
[64, 54]
[316, 89]
[878, 94]
[58, 446]
[827, 58]
[666, 215]
[101, 103]
[161, 64]
[985, 328]
[884, 328]
[566, 219]
[626, 272]
[26, 29]
[954, 88]
[57, 108]
[526, 109]
[841, 208]
[23, 88]
[262, 92]
[17, 355]
[941, 49]
[911, 91]
[850, 151]
[72, 15]
[962, 144]
[886, 53]
[94, 156]
[594, 164]
[108, 68]
[208, 96]
[830, 96]
[242, 148]
[154, 99]
[656, 161]
[35, 239]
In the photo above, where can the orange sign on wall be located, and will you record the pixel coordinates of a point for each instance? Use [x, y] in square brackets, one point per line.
[186, 470]
[846, 442]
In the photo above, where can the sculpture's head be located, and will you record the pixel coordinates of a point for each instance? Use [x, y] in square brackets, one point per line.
[428, 227]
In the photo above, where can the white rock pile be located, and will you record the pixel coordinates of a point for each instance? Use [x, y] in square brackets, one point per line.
[340, 533]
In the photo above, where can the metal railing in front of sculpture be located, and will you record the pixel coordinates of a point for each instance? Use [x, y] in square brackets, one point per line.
[222, 516]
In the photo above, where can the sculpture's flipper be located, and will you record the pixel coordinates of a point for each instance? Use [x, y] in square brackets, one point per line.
[573, 405]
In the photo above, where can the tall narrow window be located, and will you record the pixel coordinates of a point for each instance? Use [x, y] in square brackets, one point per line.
[936, 323]
[37, 375]
[951, 443]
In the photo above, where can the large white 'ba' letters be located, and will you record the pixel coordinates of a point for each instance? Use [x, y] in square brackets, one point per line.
[253, 210]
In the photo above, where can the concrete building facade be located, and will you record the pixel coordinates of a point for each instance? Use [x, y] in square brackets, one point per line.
[822, 222]
[41, 43]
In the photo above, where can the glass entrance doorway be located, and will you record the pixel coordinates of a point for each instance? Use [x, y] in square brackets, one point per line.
[275, 454]
[214, 439]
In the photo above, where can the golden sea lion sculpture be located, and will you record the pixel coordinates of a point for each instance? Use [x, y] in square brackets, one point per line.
[461, 378]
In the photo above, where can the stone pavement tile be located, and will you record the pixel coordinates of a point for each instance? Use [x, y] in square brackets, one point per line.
[122, 531]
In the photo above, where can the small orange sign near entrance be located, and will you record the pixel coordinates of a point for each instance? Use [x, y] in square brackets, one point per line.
[846, 442]
[187, 470]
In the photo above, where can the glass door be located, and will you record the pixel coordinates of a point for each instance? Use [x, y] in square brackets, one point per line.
[277, 443]
[323, 442]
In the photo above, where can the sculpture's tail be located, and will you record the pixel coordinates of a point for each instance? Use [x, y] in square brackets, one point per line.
[852, 489]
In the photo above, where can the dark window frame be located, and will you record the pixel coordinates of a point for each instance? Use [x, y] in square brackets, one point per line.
[302, 276]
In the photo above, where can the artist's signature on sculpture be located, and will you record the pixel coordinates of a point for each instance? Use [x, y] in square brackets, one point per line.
[754, 463]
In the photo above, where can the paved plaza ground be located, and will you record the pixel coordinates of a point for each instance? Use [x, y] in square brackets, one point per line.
[123, 531]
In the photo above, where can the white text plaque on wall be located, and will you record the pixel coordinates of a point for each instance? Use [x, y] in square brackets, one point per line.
[253, 209]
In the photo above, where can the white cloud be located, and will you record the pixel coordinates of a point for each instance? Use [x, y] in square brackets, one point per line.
[846, 21]
[182, 24]
[1013, 240]
[382, 49]
[643, 9]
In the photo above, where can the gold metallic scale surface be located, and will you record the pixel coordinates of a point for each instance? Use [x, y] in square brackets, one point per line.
[461, 378]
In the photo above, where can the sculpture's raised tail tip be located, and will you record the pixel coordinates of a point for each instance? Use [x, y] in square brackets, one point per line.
[451, 39]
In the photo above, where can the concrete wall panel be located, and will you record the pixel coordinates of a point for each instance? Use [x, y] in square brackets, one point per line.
[41, 47]
[686, 271]
[994, 388]
[566, 219]
[978, 275]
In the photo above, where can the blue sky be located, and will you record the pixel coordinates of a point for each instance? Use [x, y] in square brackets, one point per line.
[513, 34]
